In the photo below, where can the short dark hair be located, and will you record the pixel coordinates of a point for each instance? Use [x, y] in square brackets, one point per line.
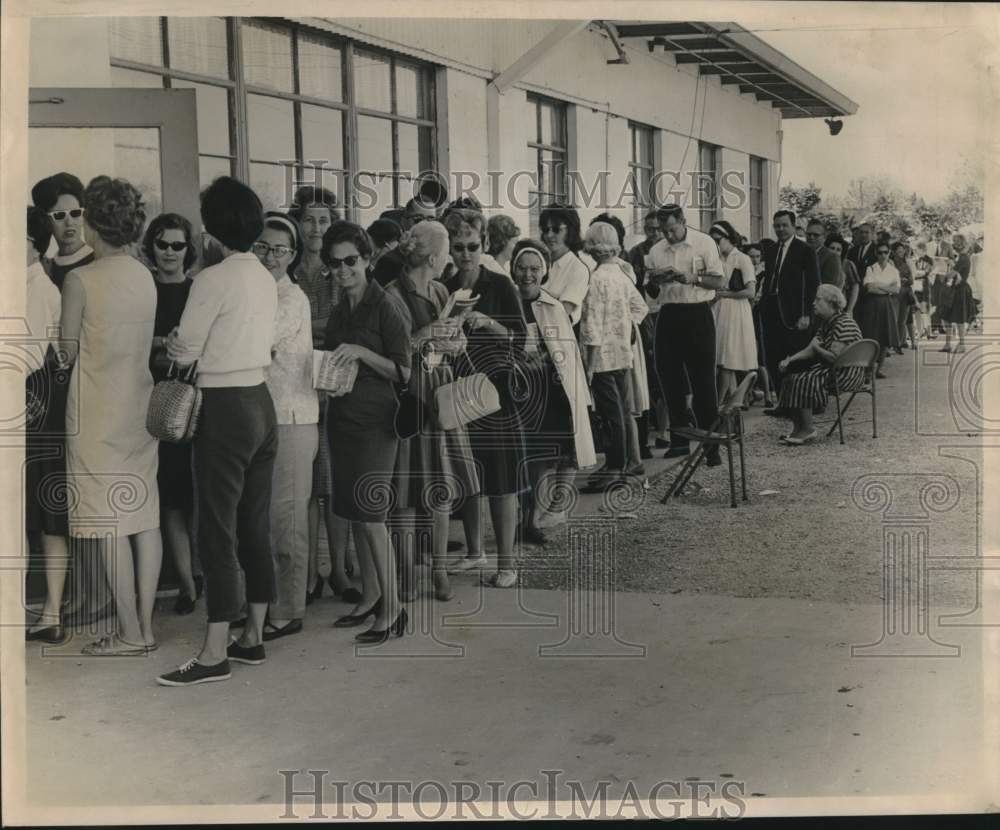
[837, 238]
[469, 202]
[278, 221]
[564, 215]
[926, 260]
[615, 223]
[727, 230]
[39, 229]
[455, 218]
[232, 213]
[500, 230]
[344, 231]
[384, 231]
[899, 243]
[778, 214]
[651, 214]
[816, 221]
[46, 192]
[170, 222]
[664, 212]
[311, 195]
[114, 210]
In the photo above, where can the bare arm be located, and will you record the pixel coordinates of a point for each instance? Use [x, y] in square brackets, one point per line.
[71, 317]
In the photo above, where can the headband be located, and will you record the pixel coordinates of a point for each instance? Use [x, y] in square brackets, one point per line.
[527, 249]
[720, 229]
[281, 220]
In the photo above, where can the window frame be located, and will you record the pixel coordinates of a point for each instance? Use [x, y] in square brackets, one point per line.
[539, 148]
[755, 195]
[642, 193]
[708, 214]
[238, 90]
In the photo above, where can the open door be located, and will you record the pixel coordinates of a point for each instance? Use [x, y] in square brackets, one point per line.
[148, 136]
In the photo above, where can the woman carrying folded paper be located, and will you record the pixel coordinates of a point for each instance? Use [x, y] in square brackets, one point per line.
[434, 468]
[370, 328]
[496, 331]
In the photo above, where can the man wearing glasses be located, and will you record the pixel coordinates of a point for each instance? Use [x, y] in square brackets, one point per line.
[830, 272]
[685, 267]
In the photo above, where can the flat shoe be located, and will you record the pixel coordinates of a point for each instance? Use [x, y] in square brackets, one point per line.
[795, 442]
[468, 564]
[501, 579]
[53, 635]
[273, 632]
[112, 647]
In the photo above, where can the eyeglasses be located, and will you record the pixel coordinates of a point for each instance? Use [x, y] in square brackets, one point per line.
[882, 251]
[471, 248]
[59, 215]
[173, 246]
[262, 249]
[552, 228]
[349, 261]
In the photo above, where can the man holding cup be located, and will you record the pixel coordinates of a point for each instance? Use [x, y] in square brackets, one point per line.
[686, 269]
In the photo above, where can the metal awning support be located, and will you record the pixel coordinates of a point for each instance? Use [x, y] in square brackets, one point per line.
[519, 68]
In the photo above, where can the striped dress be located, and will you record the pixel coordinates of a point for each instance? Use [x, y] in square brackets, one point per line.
[810, 387]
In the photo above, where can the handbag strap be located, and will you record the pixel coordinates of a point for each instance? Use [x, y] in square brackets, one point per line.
[188, 375]
[403, 385]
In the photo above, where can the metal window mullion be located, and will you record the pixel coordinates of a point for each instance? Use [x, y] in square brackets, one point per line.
[164, 42]
[394, 132]
[179, 74]
[296, 106]
[351, 149]
[289, 96]
[239, 115]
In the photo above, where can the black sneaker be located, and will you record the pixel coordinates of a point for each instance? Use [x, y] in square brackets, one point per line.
[193, 672]
[251, 655]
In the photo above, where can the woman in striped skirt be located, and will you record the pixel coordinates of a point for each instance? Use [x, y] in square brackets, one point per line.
[806, 389]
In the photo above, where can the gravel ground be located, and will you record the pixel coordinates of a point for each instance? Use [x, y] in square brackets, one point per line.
[806, 538]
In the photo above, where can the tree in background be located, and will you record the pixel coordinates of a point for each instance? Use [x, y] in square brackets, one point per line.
[801, 200]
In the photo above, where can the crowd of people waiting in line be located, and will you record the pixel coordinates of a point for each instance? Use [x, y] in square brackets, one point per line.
[590, 347]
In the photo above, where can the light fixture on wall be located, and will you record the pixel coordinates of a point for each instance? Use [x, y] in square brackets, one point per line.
[835, 125]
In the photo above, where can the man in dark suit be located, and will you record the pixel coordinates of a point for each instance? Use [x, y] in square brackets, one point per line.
[862, 252]
[791, 277]
[830, 270]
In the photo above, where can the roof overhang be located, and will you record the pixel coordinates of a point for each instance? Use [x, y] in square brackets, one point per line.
[741, 59]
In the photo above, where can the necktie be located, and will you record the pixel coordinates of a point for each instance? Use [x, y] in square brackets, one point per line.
[777, 268]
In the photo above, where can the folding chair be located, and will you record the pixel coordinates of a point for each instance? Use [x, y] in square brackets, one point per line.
[728, 430]
[862, 354]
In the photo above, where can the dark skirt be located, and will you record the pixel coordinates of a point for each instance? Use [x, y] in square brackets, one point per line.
[962, 308]
[174, 478]
[546, 415]
[362, 467]
[498, 444]
[877, 319]
[811, 387]
[46, 494]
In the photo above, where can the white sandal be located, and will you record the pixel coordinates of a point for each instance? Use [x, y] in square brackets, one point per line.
[501, 579]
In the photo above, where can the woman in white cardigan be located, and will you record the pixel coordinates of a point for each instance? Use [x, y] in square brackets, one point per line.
[554, 401]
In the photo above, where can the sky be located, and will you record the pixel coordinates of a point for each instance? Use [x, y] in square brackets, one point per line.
[922, 96]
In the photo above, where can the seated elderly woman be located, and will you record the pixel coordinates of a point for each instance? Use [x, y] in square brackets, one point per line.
[806, 389]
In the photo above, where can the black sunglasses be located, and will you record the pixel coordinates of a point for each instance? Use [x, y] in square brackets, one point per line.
[472, 247]
[349, 261]
[59, 215]
[173, 246]
[552, 228]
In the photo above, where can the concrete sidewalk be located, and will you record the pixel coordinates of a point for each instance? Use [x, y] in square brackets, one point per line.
[763, 691]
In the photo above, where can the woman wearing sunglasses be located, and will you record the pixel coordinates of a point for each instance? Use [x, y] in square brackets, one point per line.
[877, 309]
[496, 332]
[169, 247]
[369, 328]
[61, 197]
[569, 276]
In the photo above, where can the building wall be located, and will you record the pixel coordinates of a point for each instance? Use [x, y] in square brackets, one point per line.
[650, 90]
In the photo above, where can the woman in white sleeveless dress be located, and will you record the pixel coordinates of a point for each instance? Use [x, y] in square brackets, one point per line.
[108, 312]
[736, 343]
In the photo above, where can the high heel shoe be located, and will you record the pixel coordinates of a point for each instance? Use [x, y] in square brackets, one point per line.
[354, 620]
[349, 594]
[396, 629]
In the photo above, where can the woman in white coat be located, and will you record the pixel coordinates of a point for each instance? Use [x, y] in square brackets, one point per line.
[554, 395]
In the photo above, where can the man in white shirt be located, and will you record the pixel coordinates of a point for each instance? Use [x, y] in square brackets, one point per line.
[686, 267]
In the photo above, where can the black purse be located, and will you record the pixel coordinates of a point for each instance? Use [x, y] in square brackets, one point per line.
[406, 421]
[736, 282]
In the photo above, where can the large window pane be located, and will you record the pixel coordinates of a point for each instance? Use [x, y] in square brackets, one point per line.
[126, 77]
[322, 136]
[198, 44]
[414, 149]
[136, 39]
[271, 128]
[137, 158]
[553, 128]
[210, 169]
[267, 56]
[411, 92]
[375, 145]
[553, 179]
[371, 74]
[321, 72]
[213, 116]
[272, 182]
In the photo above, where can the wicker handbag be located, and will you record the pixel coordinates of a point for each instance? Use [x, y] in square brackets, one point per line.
[174, 406]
